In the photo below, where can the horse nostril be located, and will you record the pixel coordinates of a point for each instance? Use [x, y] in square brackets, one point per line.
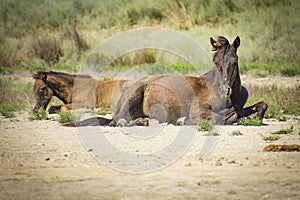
[228, 91]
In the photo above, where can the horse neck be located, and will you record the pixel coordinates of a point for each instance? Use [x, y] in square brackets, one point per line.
[236, 87]
[61, 87]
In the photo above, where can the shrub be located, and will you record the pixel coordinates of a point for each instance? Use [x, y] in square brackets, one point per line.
[47, 49]
[10, 53]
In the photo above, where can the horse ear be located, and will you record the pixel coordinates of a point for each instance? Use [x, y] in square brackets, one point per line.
[236, 42]
[213, 42]
[39, 75]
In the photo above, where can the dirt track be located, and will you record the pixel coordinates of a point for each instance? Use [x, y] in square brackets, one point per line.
[43, 160]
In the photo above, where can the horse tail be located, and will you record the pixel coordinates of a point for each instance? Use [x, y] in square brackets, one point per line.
[94, 121]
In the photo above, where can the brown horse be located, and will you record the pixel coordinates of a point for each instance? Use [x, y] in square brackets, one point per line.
[61, 85]
[216, 95]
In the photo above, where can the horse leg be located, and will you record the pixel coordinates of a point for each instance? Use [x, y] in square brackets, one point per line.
[240, 101]
[54, 109]
[66, 107]
[259, 108]
[130, 108]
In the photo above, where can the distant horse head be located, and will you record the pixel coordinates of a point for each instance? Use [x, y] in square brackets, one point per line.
[42, 93]
[226, 64]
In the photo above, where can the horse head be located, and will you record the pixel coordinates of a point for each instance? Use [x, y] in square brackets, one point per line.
[42, 93]
[225, 64]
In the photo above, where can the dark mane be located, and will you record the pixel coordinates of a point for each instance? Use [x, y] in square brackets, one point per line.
[65, 75]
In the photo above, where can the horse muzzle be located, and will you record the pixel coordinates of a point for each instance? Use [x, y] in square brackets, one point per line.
[225, 92]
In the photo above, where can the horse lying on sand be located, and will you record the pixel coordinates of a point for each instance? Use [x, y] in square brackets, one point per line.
[61, 85]
[216, 95]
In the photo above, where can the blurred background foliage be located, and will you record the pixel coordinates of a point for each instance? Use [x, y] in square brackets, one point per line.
[62, 32]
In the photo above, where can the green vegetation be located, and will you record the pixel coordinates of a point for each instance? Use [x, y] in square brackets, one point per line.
[63, 32]
[276, 135]
[280, 100]
[65, 117]
[41, 115]
[270, 68]
[212, 133]
[283, 131]
[236, 133]
[206, 125]
[250, 122]
[271, 137]
[14, 97]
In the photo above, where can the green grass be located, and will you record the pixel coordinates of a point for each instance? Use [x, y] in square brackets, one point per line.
[31, 68]
[64, 117]
[250, 122]
[270, 68]
[271, 137]
[206, 125]
[284, 131]
[41, 115]
[8, 109]
[236, 133]
[14, 97]
[268, 28]
[281, 101]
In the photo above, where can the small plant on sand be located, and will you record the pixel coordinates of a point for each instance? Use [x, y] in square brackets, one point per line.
[236, 133]
[250, 122]
[206, 125]
[212, 133]
[284, 131]
[64, 117]
[271, 137]
[41, 115]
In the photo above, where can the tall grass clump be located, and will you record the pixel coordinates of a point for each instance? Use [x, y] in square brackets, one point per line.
[280, 100]
[11, 54]
[47, 49]
[14, 97]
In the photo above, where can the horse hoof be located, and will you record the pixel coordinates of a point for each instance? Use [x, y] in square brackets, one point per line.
[153, 122]
[180, 121]
[139, 122]
[261, 108]
[122, 122]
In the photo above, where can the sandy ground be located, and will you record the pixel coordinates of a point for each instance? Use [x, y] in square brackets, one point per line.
[44, 160]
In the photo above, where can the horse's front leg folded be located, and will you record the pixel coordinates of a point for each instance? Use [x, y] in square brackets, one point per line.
[260, 108]
[61, 108]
